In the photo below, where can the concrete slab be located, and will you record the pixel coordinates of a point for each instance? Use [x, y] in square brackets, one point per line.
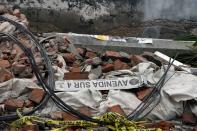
[168, 47]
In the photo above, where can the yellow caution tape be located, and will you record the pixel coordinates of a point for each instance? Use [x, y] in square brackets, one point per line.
[119, 123]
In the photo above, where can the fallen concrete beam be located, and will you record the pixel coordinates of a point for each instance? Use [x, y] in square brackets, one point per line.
[168, 47]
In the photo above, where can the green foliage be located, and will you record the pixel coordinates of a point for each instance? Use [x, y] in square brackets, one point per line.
[188, 38]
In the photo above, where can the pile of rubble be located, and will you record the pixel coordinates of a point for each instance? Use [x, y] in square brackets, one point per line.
[19, 88]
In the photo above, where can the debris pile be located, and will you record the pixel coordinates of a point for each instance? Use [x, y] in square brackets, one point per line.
[74, 68]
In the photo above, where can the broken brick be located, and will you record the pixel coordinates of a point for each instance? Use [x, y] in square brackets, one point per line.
[143, 93]
[164, 125]
[76, 76]
[36, 95]
[90, 54]
[119, 65]
[107, 68]
[13, 104]
[5, 75]
[81, 51]
[69, 57]
[5, 64]
[75, 69]
[85, 110]
[112, 54]
[116, 109]
[136, 59]
[69, 117]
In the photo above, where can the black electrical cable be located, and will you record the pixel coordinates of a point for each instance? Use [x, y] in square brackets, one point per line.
[45, 86]
[48, 87]
[148, 100]
[36, 71]
[39, 106]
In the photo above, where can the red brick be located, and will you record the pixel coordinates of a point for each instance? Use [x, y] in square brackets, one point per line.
[143, 93]
[112, 54]
[5, 64]
[116, 109]
[85, 110]
[164, 125]
[119, 65]
[36, 95]
[13, 104]
[107, 68]
[69, 57]
[76, 76]
[69, 117]
[136, 59]
[5, 75]
[81, 51]
[90, 54]
[75, 69]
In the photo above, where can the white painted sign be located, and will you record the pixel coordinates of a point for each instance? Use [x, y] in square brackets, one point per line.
[99, 84]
